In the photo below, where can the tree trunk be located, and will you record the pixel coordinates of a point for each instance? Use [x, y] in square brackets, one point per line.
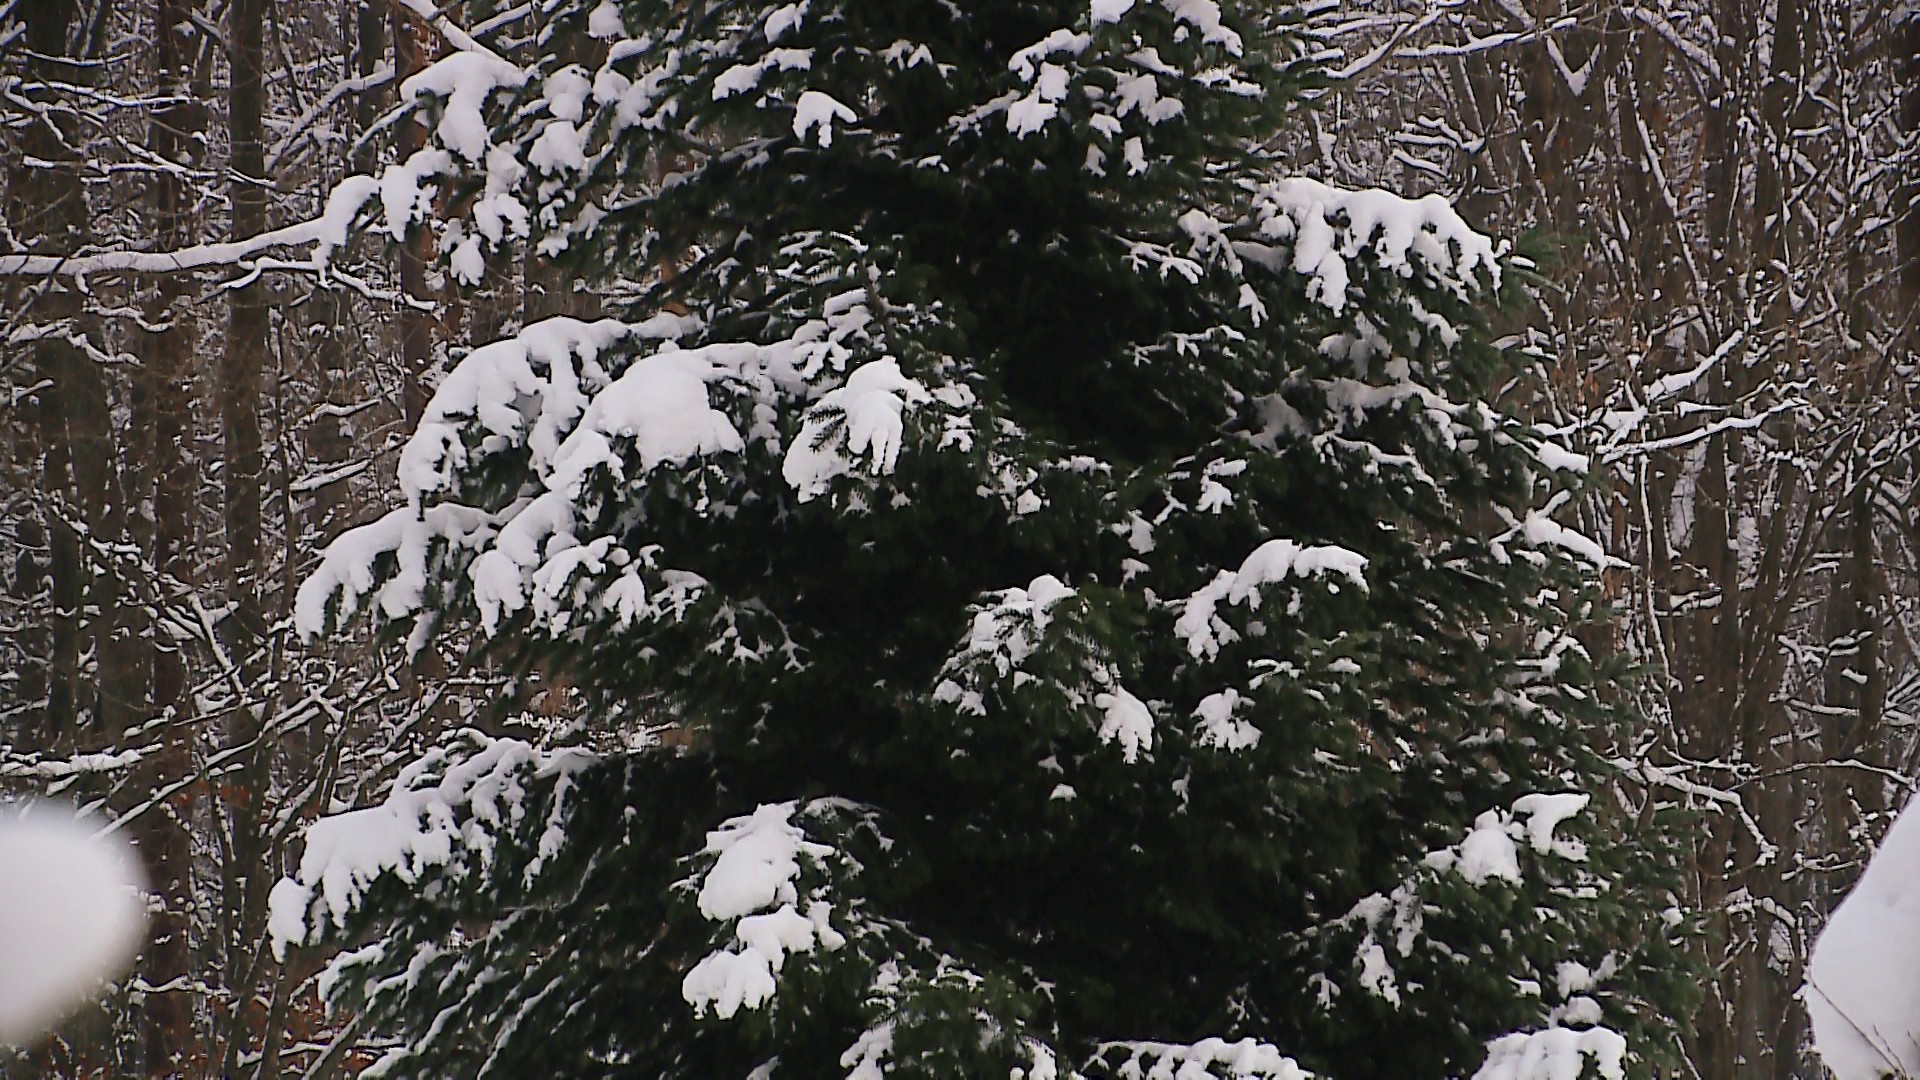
[416, 326]
[51, 212]
[168, 374]
[1907, 33]
[244, 877]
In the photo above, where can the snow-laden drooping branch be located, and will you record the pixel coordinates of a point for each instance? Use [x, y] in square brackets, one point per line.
[1241, 1059]
[1554, 1053]
[464, 80]
[753, 888]
[1026, 654]
[325, 234]
[445, 817]
[455, 36]
[859, 420]
[583, 408]
[1323, 229]
[1490, 849]
[1203, 631]
[535, 388]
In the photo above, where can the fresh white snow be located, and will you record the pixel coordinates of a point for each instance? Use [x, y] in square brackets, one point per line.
[752, 884]
[1487, 852]
[863, 418]
[1556, 1053]
[816, 112]
[1491, 850]
[1126, 720]
[441, 815]
[1328, 227]
[1219, 728]
[464, 81]
[1204, 631]
[1244, 1059]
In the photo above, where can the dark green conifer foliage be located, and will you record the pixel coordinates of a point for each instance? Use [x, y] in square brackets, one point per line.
[1100, 612]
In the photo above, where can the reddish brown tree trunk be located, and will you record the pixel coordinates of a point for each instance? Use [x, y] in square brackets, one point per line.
[416, 326]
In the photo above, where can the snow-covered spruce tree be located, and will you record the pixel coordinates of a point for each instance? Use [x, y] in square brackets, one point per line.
[1106, 630]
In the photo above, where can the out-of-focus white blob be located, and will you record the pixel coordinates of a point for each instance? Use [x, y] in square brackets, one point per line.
[1863, 981]
[72, 915]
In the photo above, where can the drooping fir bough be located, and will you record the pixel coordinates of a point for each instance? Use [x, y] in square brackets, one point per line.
[1107, 629]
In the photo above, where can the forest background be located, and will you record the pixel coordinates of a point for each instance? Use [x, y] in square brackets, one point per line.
[1724, 196]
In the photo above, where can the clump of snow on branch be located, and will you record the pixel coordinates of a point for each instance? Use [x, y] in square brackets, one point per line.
[1402, 912]
[1324, 229]
[1008, 630]
[1246, 1058]
[604, 21]
[1487, 852]
[348, 567]
[1200, 625]
[1538, 529]
[1126, 720]
[1490, 849]
[752, 884]
[444, 816]
[1126, 92]
[1219, 727]
[1861, 991]
[1005, 632]
[551, 369]
[1045, 1064]
[861, 419]
[867, 1058]
[463, 81]
[659, 402]
[1010, 649]
[816, 113]
[549, 392]
[1543, 813]
[1202, 15]
[1556, 1053]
